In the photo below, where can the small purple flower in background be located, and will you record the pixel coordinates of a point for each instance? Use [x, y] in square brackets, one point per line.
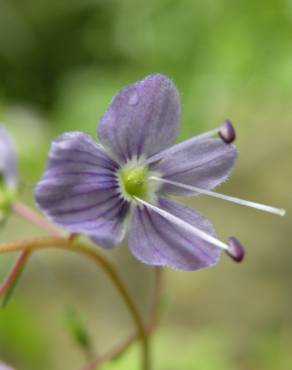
[8, 162]
[8, 173]
[118, 188]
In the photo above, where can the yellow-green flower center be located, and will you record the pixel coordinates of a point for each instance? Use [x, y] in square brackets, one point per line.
[134, 181]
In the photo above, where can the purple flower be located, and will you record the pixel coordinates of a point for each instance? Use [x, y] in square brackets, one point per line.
[8, 163]
[8, 173]
[119, 188]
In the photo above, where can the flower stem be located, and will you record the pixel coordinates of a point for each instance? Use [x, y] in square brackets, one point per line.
[14, 274]
[150, 327]
[112, 354]
[77, 247]
[22, 210]
[35, 218]
[155, 311]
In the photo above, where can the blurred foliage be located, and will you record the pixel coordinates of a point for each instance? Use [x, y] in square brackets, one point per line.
[19, 330]
[60, 64]
[78, 330]
[55, 54]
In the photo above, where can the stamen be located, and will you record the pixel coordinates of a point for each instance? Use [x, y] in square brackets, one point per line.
[236, 250]
[223, 131]
[184, 225]
[248, 203]
[227, 132]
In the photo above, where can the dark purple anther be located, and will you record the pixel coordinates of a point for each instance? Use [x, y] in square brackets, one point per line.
[227, 132]
[236, 251]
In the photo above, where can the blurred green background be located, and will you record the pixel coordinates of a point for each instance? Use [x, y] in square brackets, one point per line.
[60, 64]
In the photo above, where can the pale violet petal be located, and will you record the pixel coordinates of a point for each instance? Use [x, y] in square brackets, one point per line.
[142, 119]
[205, 164]
[157, 241]
[79, 189]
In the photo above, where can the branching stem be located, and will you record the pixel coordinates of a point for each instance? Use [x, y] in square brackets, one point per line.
[150, 327]
[77, 247]
[25, 212]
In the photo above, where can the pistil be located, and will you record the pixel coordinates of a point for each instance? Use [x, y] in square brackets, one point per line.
[133, 179]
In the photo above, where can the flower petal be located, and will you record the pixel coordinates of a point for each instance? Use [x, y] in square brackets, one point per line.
[5, 366]
[205, 164]
[79, 189]
[157, 241]
[142, 119]
[8, 162]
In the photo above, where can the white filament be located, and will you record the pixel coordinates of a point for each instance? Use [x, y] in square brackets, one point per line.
[184, 225]
[183, 145]
[248, 203]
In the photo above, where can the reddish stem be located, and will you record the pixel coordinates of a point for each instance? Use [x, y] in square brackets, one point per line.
[13, 273]
[43, 243]
[35, 218]
[150, 327]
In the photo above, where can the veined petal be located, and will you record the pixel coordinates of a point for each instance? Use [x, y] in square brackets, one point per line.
[157, 241]
[8, 163]
[142, 119]
[79, 189]
[205, 164]
[111, 233]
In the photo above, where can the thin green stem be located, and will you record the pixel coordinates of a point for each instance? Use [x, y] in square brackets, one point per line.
[77, 247]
